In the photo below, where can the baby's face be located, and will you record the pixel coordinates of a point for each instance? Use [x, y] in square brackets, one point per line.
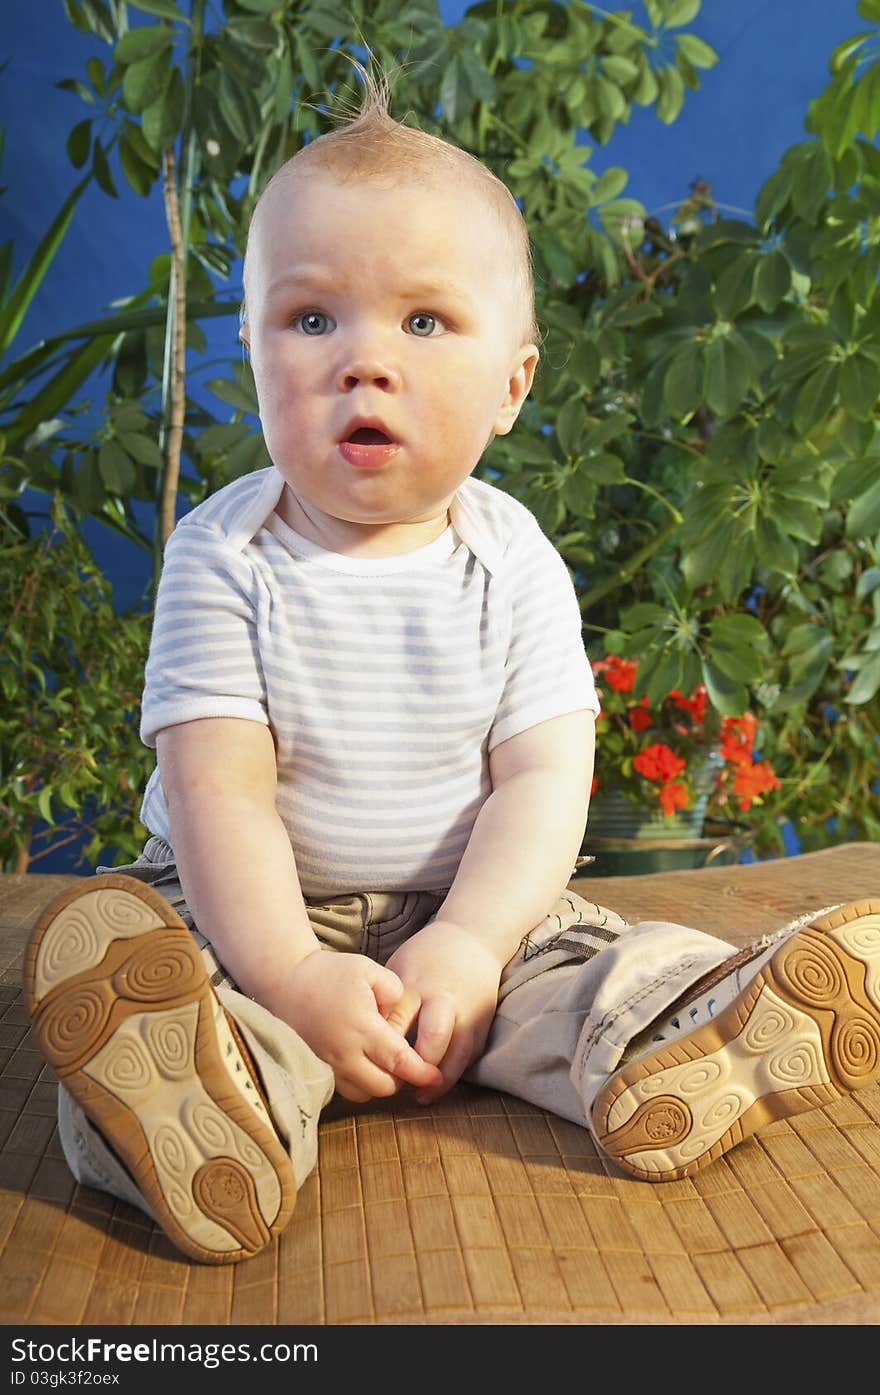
[383, 324]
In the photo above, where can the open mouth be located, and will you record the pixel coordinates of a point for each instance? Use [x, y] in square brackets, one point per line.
[369, 436]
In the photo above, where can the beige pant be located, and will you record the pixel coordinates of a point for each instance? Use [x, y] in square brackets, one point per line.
[581, 985]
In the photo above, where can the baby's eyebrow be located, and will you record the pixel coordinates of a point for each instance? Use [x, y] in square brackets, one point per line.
[430, 289]
[321, 279]
[307, 277]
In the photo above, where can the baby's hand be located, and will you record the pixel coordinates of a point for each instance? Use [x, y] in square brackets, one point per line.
[338, 1004]
[451, 983]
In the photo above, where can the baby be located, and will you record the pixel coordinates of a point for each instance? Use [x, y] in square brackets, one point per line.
[373, 717]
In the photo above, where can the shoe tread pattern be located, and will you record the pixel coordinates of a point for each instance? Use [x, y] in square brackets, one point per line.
[803, 1032]
[127, 1017]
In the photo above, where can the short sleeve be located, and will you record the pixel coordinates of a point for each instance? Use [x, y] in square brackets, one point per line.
[204, 657]
[547, 672]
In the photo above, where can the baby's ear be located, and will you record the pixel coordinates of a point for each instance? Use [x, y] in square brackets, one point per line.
[519, 384]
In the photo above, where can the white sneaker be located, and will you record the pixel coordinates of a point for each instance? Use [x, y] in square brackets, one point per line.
[780, 1028]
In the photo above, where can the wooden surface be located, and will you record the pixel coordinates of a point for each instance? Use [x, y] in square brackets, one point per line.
[481, 1209]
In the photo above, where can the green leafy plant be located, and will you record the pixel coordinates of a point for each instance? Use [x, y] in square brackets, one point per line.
[702, 442]
[71, 674]
[207, 107]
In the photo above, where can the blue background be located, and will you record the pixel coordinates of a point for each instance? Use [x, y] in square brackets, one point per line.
[772, 60]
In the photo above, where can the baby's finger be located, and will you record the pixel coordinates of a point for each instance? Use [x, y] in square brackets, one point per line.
[404, 1012]
[436, 1028]
[454, 1066]
[387, 987]
[393, 1053]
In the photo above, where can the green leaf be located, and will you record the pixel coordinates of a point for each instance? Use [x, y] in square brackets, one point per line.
[776, 550]
[739, 664]
[609, 185]
[570, 425]
[139, 44]
[772, 280]
[260, 7]
[139, 175]
[254, 32]
[144, 82]
[233, 393]
[733, 631]
[867, 681]
[605, 468]
[620, 70]
[455, 92]
[141, 448]
[813, 179]
[642, 615]
[480, 80]
[816, 397]
[727, 377]
[162, 121]
[646, 89]
[679, 12]
[671, 98]
[734, 290]
[584, 363]
[76, 17]
[683, 384]
[117, 471]
[88, 488]
[737, 564]
[726, 695]
[44, 804]
[164, 9]
[28, 283]
[101, 167]
[868, 582]
[100, 19]
[696, 51]
[859, 385]
[57, 393]
[79, 143]
[773, 195]
[796, 519]
[863, 516]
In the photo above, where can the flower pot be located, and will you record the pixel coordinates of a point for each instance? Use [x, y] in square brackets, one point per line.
[632, 857]
[612, 815]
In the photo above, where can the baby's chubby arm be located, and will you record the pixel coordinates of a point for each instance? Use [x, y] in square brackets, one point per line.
[238, 873]
[518, 861]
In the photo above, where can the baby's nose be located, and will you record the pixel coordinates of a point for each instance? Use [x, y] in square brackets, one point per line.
[369, 371]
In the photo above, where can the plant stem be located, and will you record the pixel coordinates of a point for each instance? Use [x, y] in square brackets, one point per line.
[629, 569]
[178, 203]
[175, 353]
[23, 854]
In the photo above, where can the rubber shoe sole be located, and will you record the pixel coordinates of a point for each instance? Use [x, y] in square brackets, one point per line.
[124, 1012]
[802, 1033]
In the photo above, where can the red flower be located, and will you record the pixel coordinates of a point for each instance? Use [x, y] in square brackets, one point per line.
[620, 674]
[751, 781]
[594, 786]
[673, 796]
[738, 738]
[658, 762]
[695, 705]
[639, 717]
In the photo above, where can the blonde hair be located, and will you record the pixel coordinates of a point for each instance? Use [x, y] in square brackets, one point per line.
[371, 143]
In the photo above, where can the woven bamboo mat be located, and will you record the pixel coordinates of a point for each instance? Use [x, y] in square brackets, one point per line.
[481, 1210]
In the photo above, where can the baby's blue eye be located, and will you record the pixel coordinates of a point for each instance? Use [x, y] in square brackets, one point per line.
[422, 324]
[314, 322]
